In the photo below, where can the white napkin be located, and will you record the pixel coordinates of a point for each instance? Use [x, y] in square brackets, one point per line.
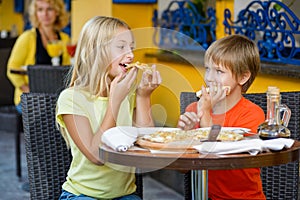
[252, 146]
[120, 138]
[277, 144]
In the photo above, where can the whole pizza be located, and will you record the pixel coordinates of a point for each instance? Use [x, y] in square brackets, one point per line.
[196, 134]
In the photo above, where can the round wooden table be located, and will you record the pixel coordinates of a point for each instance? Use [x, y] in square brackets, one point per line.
[195, 161]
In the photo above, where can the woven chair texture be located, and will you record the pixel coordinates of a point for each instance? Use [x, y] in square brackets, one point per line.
[47, 79]
[48, 158]
[279, 182]
[11, 120]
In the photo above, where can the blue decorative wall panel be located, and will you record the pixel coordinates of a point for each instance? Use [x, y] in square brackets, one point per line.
[181, 26]
[273, 26]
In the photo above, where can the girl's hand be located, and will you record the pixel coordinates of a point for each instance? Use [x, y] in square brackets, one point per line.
[149, 82]
[121, 85]
[188, 121]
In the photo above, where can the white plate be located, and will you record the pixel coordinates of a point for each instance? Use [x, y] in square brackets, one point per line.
[239, 130]
[149, 130]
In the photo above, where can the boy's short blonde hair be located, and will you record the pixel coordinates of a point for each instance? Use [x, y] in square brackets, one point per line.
[62, 18]
[237, 53]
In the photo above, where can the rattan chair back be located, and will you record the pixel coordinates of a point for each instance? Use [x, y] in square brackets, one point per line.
[279, 182]
[48, 158]
[47, 78]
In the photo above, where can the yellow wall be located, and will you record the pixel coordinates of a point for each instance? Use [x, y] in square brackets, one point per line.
[83, 10]
[136, 15]
[8, 17]
[221, 5]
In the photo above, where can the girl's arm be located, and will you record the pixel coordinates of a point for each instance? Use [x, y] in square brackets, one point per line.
[80, 129]
[142, 115]
[81, 132]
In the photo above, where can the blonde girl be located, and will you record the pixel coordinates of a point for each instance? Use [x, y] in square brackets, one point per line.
[102, 94]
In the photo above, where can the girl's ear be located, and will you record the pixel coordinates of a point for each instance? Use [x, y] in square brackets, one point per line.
[244, 77]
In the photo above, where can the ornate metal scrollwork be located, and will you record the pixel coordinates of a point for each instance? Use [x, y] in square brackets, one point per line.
[182, 27]
[276, 31]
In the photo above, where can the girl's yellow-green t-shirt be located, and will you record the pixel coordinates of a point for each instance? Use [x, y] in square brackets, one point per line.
[84, 177]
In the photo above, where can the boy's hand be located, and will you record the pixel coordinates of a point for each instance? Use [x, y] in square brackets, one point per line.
[187, 121]
[207, 102]
[149, 82]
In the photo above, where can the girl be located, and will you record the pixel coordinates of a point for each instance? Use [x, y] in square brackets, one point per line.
[102, 94]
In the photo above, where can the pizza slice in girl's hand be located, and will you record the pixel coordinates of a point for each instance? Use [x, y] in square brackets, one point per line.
[143, 66]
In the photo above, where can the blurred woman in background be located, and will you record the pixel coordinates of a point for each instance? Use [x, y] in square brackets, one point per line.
[47, 18]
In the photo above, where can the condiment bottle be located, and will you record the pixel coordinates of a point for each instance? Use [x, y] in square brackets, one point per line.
[275, 126]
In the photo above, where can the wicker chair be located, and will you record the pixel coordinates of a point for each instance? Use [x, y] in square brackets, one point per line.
[279, 182]
[47, 79]
[48, 158]
[11, 120]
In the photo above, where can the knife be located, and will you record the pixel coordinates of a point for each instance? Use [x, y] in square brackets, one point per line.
[214, 132]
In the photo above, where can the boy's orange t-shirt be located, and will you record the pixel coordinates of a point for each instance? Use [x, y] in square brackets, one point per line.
[240, 183]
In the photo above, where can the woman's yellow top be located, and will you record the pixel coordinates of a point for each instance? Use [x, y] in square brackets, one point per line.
[23, 54]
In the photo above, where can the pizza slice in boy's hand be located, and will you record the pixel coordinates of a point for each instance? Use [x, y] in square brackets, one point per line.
[227, 88]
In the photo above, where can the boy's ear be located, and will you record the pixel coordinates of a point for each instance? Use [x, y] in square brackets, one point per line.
[244, 77]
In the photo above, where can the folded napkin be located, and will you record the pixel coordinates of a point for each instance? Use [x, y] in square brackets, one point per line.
[120, 138]
[251, 146]
[278, 144]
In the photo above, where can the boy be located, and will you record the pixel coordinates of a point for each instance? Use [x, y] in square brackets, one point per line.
[231, 64]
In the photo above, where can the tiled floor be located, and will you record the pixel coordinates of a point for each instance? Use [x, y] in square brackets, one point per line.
[11, 186]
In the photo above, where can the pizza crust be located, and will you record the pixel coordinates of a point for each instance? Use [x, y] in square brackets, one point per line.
[227, 88]
[143, 66]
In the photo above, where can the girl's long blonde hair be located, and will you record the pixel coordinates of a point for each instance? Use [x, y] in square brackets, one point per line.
[92, 57]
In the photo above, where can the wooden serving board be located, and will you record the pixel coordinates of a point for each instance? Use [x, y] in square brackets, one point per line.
[178, 145]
